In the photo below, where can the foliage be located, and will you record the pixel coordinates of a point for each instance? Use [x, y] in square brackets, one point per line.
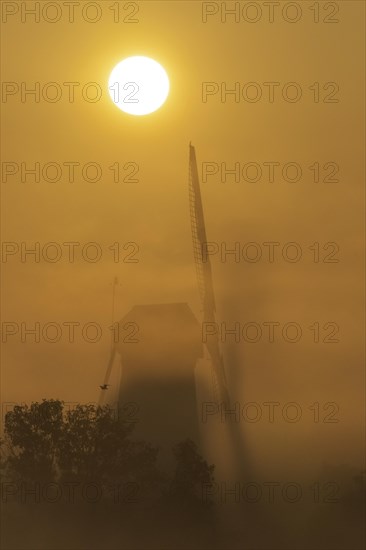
[45, 443]
[191, 473]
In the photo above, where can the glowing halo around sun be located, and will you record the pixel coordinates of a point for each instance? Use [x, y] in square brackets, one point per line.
[138, 85]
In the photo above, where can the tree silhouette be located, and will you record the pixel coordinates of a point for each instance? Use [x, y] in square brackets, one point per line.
[97, 446]
[191, 473]
[88, 444]
[31, 443]
[43, 442]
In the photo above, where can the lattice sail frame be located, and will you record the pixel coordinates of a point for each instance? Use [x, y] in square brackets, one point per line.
[204, 278]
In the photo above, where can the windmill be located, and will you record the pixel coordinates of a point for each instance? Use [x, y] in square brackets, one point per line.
[206, 291]
[205, 287]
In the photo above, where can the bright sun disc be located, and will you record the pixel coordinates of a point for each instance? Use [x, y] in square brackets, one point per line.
[138, 85]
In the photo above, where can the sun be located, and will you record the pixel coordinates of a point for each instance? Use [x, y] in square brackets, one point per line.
[138, 85]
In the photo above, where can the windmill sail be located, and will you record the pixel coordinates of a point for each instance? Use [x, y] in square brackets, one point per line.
[112, 355]
[204, 278]
[205, 285]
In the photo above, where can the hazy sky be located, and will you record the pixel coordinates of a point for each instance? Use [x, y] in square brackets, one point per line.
[153, 212]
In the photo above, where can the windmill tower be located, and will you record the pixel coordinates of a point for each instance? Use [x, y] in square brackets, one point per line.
[158, 372]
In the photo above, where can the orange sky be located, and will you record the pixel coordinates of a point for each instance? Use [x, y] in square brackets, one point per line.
[153, 212]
